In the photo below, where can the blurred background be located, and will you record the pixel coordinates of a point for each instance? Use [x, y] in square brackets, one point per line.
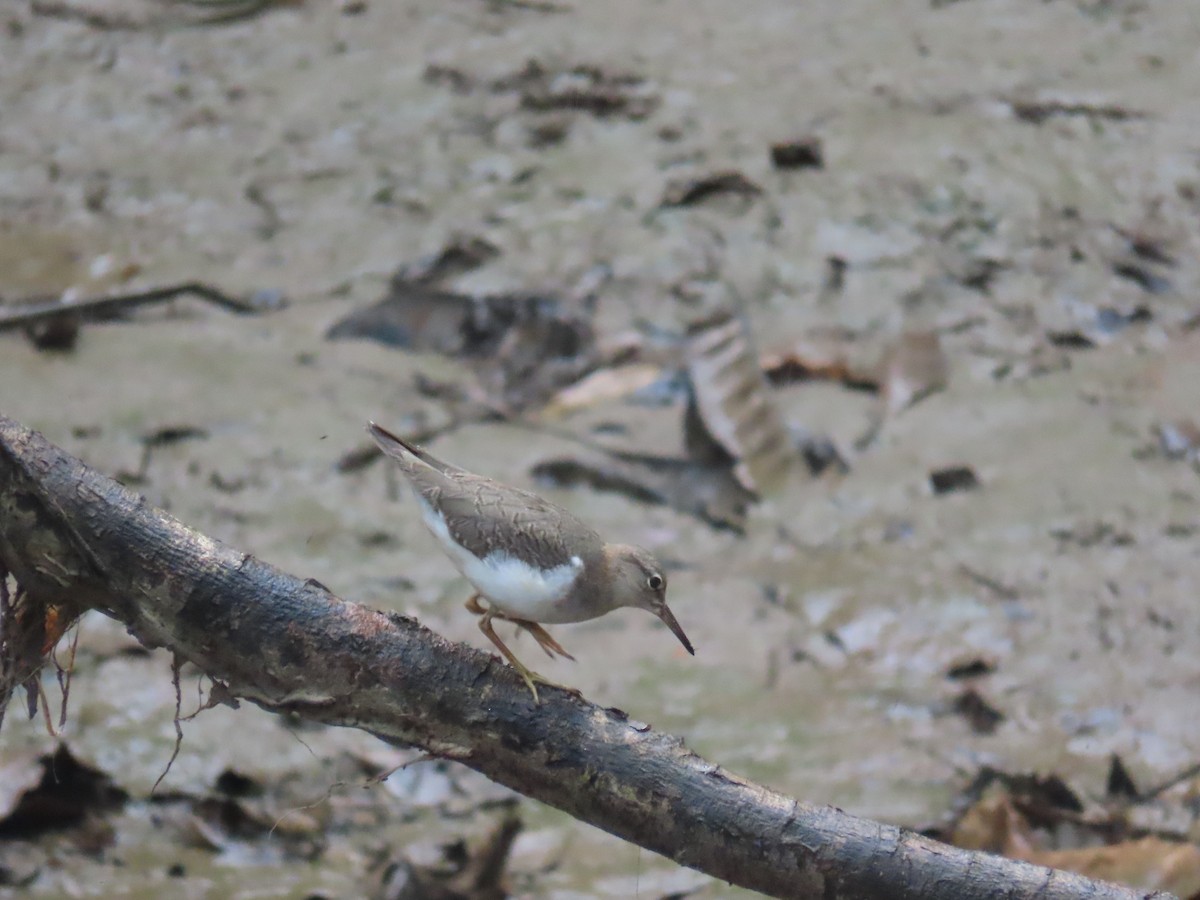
[877, 322]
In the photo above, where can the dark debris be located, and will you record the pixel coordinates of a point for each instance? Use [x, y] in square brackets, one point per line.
[801, 153]
[692, 191]
[953, 479]
[68, 791]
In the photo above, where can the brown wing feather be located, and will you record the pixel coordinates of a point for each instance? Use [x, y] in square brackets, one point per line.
[396, 447]
[485, 516]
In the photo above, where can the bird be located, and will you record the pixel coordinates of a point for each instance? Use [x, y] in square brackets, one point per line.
[530, 561]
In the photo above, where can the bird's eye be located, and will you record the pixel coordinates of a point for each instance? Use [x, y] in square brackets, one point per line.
[655, 582]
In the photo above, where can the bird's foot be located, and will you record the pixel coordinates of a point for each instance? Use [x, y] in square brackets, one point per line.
[533, 679]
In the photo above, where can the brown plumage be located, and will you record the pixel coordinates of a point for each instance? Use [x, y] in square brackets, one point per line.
[532, 560]
[483, 515]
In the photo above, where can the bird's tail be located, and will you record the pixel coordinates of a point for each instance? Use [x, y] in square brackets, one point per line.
[404, 451]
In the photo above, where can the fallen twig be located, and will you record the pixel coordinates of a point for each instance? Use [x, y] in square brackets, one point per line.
[21, 315]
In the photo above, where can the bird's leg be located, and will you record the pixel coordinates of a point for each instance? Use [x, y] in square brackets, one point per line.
[475, 606]
[540, 634]
[532, 679]
[543, 637]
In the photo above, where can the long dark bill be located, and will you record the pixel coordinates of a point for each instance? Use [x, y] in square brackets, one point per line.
[668, 618]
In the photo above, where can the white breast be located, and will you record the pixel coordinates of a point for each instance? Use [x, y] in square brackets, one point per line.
[512, 585]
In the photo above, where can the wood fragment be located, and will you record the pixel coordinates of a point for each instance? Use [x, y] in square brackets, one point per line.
[22, 315]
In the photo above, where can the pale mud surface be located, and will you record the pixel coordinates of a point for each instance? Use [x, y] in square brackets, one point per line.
[304, 151]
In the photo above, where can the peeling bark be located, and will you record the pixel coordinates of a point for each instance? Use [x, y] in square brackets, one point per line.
[76, 540]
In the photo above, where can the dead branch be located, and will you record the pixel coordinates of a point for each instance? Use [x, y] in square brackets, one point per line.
[31, 312]
[75, 540]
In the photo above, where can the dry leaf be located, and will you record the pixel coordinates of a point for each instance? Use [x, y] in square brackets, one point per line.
[993, 824]
[1149, 864]
[820, 355]
[733, 403]
[912, 368]
[601, 386]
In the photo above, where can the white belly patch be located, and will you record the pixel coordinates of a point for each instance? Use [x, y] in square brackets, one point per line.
[512, 585]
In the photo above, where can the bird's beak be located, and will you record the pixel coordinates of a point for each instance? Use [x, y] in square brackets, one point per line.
[668, 618]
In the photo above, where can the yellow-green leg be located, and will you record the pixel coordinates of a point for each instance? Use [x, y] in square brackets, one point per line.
[541, 635]
[532, 678]
[545, 640]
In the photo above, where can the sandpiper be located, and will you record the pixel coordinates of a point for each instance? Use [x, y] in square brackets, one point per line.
[533, 562]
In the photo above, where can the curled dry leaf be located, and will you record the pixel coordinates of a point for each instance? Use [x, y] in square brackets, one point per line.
[908, 369]
[731, 402]
[823, 354]
[692, 191]
[601, 386]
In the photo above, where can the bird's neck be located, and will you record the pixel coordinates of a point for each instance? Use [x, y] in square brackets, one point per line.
[613, 574]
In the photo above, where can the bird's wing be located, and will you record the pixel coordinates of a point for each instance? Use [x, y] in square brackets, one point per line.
[485, 516]
[405, 452]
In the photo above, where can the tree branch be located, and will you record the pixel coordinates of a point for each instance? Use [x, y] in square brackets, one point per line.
[76, 540]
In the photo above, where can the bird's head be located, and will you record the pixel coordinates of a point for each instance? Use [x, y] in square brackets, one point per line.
[638, 580]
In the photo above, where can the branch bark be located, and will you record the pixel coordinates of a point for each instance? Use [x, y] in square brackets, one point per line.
[74, 539]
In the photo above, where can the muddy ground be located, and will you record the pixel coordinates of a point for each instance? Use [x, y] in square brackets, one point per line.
[1021, 178]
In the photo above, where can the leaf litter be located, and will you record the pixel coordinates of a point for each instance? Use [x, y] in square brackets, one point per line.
[1003, 286]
